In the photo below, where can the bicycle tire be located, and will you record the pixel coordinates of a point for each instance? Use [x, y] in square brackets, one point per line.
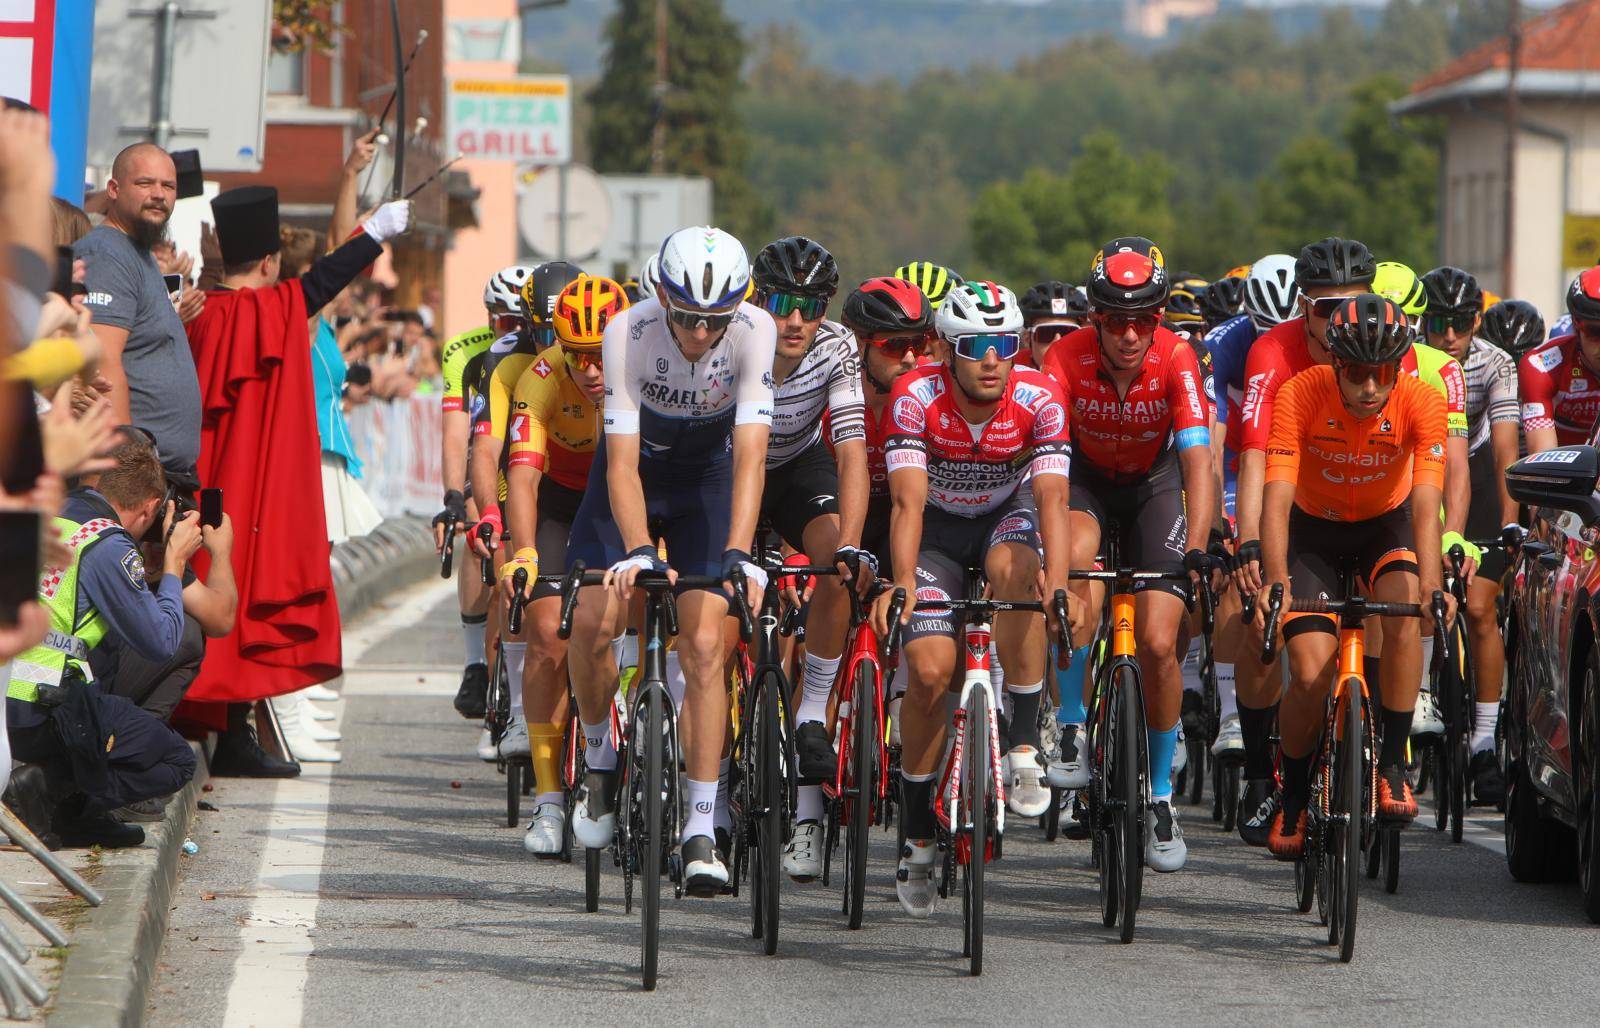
[1349, 792]
[862, 789]
[1102, 833]
[1051, 822]
[513, 792]
[649, 845]
[1231, 773]
[1389, 838]
[591, 880]
[1460, 753]
[975, 808]
[1374, 861]
[1217, 782]
[769, 806]
[1130, 800]
[1305, 879]
[1196, 769]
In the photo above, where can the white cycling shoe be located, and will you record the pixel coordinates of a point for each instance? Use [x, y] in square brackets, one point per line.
[1164, 848]
[594, 810]
[486, 747]
[913, 880]
[545, 831]
[1426, 719]
[802, 858]
[515, 742]
[1071, 768]
[1027, 793]
[1230, 738]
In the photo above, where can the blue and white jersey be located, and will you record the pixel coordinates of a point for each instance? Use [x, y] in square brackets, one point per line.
[1230, 344]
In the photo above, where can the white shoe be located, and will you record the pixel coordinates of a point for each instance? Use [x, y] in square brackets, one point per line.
[320, 693]
[802, 858]
[546, 830]
[1164, 849]
[297, 709]
[515, 742]
[1027, 793]
[317, 713]
[913, 880]
[1070, 770]
[594, 817]
[303, 746]
[316, 731]
[894, 721]
[1426, 719]
[1230, 737]
[486, 747]
[1180, 754]
[704, 870]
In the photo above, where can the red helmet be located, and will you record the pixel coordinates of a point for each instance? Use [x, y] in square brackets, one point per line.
[887, 306]
[1128, 275]
[1583, 296]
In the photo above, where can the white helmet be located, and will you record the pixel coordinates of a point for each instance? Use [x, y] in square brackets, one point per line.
[647, 277]
[1270, 293]
[503, 294]
[702, 268]
[975, 307]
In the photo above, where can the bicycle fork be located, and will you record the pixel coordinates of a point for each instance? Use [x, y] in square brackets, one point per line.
[951, 816]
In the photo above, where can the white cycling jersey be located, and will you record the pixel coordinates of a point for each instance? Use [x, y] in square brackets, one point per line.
[827, 381]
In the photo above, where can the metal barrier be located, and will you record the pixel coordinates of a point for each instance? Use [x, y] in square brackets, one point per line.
[398, 443]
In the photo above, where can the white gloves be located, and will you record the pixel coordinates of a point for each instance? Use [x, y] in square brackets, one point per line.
[390, 220]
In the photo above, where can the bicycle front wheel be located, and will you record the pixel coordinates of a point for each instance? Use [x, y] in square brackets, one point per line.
[769, 809]
[1128, 803]
[648, 846]
[1350, 811]
[862, 789]
[975, 800]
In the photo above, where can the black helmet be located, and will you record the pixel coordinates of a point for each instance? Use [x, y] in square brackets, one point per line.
[1128, 275]
[1369, 329]
[1078, 303]
[798, 266]
[1335, 262]
[1516, 326]
[1583, 296]
[1450, 290]
[1222, 299]
[1048, 300]
[887, 306]
[544, 285]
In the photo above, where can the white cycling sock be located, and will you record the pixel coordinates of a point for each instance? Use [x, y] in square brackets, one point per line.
[1483, 726]
[702, 808]
[1226, 698]
[808, 803]
[997, 672]
[516, 660]
[722, 817]
[675, 680]
[816, 687]
[473, 628]
[599, 752]
[1191, 666]
[625, 649]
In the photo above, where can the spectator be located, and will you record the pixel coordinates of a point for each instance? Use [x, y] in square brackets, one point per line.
[70, 223]
[357, 386]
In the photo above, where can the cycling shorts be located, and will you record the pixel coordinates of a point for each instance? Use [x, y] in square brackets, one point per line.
[875, 534]
[1319, 550]
[799, 491]
[1483, 514]
[691, 514]
[1152, 530]
[951, 544]
[557, 509]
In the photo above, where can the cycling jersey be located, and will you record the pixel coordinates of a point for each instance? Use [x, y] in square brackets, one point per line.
[1562, 327]
[1491, 391]
[974, 468]
[1349, 469]
[1164, 407]
[1559, 390]
[684, 411]
[1443, 372]
[1230, 344]
[826, 385]
[554, 424]
[491, 402]
[1202, 355]
[454, 360]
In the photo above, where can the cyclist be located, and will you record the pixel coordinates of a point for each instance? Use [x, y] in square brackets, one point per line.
[688, 409]
[1355, 467]
[555, 424]
[1454, 305]
[1050, 310]
[1223, 300]
[935, 280]
[461, 361]
[1516, 326]
[1559, 381]
[647, 277]
[964, 439]
[814, 499]
[1141, 452]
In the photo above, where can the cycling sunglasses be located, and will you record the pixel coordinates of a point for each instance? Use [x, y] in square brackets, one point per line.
[1324, 306]
[897, 346]
[1118, 324]
[1358, 374]
[1044, 335]
[784, 304]
[580, 361]
[975, 346]
[1438, 324]
[712, 320]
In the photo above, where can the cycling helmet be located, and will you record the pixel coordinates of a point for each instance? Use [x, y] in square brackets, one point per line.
[1490, 299]
[703, 269]
[583, 310]
[1450, 289]
[1047, 300]
[1369, 329]
[1221, 300]
[503, 294]
[1335, 262]
[887, 306]
[1240, 272]
[1583, 296]
[1190, 281]
[973, 308]
[1516, 326]
[1270, 292]
[544, 285]
[1127, 276]
[934, 280]
[647, 277]
[797, 266]
[1399, 283]
[630, 286]
[1078, 304]
[1183, 306]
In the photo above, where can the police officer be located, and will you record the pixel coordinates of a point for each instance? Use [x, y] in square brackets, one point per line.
[100, 752]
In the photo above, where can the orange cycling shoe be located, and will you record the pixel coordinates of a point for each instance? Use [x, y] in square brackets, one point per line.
[1287, 845]
[1395, 801]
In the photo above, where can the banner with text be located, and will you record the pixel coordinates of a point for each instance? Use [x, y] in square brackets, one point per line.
[526, 119]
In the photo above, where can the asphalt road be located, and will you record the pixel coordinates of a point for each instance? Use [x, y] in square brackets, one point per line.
[388, 890]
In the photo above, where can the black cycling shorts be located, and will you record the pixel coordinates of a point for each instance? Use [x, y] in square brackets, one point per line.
[875, 533]
[1319, 550]
[951, 544]
[1483, 513]
[798, 492]
[1152, 530]
[557, 508]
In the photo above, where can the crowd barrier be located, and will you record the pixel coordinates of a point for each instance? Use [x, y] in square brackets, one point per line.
[398, 443]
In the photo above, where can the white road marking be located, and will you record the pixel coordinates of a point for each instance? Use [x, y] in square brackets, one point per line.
[270, 976]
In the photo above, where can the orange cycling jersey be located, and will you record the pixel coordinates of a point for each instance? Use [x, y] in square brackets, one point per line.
[1350, 469]
[554, 426]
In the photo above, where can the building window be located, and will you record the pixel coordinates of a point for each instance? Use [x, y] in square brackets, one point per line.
[286, 72]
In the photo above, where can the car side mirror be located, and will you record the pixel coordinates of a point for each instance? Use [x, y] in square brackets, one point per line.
[1563, 478]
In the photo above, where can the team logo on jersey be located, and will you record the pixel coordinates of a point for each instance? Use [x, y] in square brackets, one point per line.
[909, 416]
[1546, 360]
[1385, 426]
[1437, 449]
[661, 365]
[1050, 420]
[1028, 395]
[932, 594]
[542, 368]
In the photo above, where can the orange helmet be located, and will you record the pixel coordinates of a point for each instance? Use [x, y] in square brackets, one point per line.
[584, 309]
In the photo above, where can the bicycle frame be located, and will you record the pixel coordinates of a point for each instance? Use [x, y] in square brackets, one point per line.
[951, 817]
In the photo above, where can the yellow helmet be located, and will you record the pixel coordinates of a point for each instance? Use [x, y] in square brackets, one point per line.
[584, 309]
[934, 280]
[1397, 282]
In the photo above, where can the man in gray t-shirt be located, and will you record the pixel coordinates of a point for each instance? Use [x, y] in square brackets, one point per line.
[146, 351]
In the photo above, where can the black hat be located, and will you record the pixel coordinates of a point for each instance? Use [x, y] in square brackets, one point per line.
[190, 180]
[247, 223]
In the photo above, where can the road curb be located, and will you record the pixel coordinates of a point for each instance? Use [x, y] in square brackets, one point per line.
[106, 977]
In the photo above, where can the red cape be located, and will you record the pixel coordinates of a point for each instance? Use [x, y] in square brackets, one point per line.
[259, 445]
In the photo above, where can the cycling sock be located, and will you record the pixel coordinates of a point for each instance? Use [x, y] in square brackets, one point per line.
[1191, 667]
[1396, 730]
[516, 659]
[1256, 725]
[997, 673]
[1025, 700]
[599, 752]
[676, 683]
[916, 796]
[1483, 726]
[817, 685]
[808, 803]
[473, 627]
[558, 798]
[722, 817]
[1296, 781]
[1370, 670]
[544, 742]
[1163, 744]
[1226, 698]
[1069, 684]
[625, 649]
[701, 819]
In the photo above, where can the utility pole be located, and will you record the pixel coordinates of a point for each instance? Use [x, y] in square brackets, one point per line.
[1509, 204]
[658, 132]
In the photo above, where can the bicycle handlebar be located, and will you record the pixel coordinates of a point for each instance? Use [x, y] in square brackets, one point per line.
[486, 537]
[1358, 606]
[897, 607]
[519, 585]
[741, 603]
[447, 554]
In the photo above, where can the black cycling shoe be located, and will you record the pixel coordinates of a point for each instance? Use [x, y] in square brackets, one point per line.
[705, 873]
[1257, 807]
[1488, 783]
[472, 699]
[815, 749]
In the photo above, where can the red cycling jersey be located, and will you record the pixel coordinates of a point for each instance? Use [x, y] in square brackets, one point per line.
[1165, 407]
[1559, 390]
[973, 469]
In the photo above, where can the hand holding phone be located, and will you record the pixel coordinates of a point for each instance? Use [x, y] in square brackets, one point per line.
[211, 507]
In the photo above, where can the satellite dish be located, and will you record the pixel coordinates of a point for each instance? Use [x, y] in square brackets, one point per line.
[588, 212]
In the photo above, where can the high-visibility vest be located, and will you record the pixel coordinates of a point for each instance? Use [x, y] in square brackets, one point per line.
[71, 637]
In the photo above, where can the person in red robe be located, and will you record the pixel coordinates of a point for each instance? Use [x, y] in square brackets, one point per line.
[259, 445]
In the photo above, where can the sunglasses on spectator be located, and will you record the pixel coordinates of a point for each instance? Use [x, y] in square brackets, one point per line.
[1044, 335]
[580, 360]
[1324, 306]
[1118, 324]
[784, 304]
[976, 346]
[709, 320]
[1439, 324]
[1358, 374]
[897, 346]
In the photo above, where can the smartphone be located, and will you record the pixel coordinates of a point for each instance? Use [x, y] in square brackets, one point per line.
[174, 283]
[211, 507]
[21, 468]
[19, 561]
